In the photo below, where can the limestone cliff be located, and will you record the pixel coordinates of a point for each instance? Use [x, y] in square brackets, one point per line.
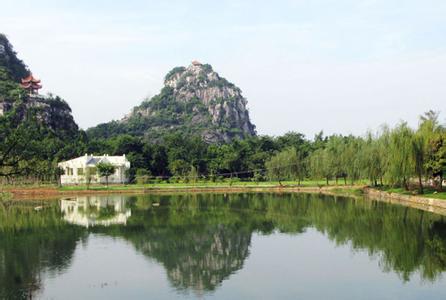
[52, 112]
[194, 101]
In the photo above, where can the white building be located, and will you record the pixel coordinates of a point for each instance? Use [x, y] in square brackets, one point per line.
[76, 170]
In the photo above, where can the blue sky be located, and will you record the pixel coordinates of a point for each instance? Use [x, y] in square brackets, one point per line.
[340, 66]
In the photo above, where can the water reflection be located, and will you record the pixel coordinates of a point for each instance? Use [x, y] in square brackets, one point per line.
[201, 240]
[90, 211]
[31, 244]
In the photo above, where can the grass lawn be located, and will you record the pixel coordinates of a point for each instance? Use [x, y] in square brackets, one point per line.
[428, 192]
[5, 196]
[201, 184]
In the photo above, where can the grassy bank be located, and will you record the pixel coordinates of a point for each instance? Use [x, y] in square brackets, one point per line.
[5, 196]
[355, 190]
[203, 184]
[52, 191]
[428, 192]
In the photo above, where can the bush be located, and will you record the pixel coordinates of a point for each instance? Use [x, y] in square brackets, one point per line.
[143, 176]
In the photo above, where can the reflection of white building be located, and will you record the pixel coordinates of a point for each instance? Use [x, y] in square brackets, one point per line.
[82, 169]
[90, 211]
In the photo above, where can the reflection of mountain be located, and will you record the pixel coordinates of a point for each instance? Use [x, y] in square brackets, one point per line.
[199, 242]
[94, 211]
[202, 239]
[197, 258]
[405, 240]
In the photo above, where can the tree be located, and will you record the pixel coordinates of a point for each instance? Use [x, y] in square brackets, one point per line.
[18, 144]
[88, 177]
[193, 174]
[433, 135]
[436, 161]
[401, 163]
[277, 167]
[105, 170]
[142, 176]
[335, 149]
[58, 172]
[418, 156]
[287, 164]
[320, 165]
[351, 158]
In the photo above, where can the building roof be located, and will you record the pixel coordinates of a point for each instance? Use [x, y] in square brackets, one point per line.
[92, 160]
[30, 78]
[31, 83]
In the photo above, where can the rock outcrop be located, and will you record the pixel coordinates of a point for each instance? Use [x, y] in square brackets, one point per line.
[52, 112]
[194, 101]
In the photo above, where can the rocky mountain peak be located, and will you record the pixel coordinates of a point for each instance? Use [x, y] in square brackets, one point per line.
[194, 100]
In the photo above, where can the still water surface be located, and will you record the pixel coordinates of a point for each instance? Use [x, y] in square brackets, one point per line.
[216, 246]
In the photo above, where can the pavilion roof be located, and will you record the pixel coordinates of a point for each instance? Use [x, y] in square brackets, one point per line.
[30, 78]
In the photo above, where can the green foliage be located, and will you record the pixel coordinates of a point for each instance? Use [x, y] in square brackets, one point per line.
[286, 165]
[143, 176]
[320, 165]
[8, 61]
[401, 163]
[181, 109]
[105, 170]
[163, 138]
[173, 72]
[33, 135]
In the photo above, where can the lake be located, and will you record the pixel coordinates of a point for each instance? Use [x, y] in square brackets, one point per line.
[220, 246]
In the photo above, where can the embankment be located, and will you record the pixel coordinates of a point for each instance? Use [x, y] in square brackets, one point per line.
[51, 193]
[55, 193]
[424, 203]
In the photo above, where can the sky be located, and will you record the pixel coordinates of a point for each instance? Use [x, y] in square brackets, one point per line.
[341, 66]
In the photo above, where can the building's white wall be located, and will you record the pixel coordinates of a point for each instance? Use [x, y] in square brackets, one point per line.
[72, 175]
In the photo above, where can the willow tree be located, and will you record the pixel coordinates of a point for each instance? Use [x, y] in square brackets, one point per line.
[373, 158]
[320, 165]
[287, 164]
[418, 158]
[335, 151]
[401, 163]
[352, 158]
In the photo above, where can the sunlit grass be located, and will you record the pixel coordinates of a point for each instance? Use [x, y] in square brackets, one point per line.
[206, 184]
[200, 183]
[428, 192]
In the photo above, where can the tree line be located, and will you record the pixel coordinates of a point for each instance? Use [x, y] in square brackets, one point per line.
[400, 156]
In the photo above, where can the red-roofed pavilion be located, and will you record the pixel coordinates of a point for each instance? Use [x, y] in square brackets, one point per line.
[31, 84]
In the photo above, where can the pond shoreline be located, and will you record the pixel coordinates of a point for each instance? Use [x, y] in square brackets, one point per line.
[51, 193]
[416, 201]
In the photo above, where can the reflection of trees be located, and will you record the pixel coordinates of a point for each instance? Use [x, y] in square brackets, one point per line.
[198, 243]
[31, 243]
[405, 240]
[202, 239]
